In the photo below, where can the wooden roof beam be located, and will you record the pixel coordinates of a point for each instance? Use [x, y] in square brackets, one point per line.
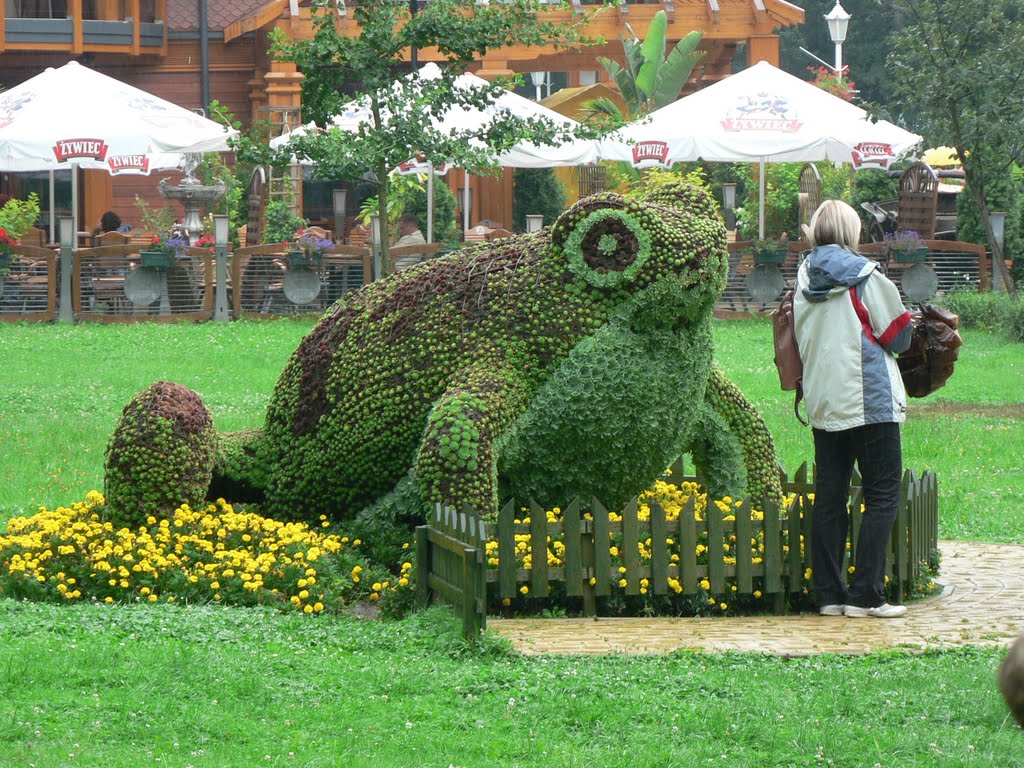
[713, 11]
[255, 20]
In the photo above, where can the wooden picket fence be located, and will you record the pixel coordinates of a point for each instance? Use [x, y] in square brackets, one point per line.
[452, 550]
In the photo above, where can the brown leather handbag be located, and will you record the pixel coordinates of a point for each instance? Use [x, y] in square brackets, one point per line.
[934, 349]
[787, 354]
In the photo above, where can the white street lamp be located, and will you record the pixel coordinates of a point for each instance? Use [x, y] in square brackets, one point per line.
[838, 20]
[538, 79]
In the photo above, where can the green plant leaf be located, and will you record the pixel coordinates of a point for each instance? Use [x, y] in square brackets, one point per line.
[676, 69]
[653, 52]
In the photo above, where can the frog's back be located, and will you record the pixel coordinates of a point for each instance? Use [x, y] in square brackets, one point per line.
[354, 397]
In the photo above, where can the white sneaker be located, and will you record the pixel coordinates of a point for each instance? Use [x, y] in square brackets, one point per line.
[883, 611]
[832, 610]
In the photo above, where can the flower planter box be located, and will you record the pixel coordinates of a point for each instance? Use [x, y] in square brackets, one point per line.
[914, 255]
[299, 260]
[770, 255]
[157, 259]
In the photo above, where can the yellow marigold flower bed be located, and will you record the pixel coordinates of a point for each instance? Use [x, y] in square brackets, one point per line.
[217, 554]
[673, 499]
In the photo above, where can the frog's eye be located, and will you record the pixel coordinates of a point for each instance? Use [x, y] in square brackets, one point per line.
[607, 247]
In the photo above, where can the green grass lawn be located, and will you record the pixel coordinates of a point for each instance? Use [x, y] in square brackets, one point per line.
[204, 686]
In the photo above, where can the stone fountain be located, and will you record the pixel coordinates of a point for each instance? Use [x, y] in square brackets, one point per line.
[192, 194]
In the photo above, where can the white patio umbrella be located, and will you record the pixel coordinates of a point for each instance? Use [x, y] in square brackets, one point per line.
[763, 115]
[526, 154]
[75, 117]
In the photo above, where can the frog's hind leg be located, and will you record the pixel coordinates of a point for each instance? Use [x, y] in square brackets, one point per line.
[746, 425]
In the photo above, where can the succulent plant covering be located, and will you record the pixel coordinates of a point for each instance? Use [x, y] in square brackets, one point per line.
[160, 455]
[577, 360]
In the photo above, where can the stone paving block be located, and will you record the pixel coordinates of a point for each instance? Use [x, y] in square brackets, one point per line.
[979, 605]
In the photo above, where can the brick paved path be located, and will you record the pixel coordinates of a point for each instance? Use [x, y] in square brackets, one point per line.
[982, 604]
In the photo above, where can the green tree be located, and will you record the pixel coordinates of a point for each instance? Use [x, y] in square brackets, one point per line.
[960, 65]
[370, 66]
[537, 191]
[650, 80]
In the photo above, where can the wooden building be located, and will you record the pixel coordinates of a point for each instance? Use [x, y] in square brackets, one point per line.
[193, 51]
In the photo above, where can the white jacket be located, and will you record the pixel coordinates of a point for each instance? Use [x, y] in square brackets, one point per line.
[849, 321]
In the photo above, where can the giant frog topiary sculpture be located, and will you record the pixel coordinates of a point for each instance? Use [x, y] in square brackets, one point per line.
[574, 361]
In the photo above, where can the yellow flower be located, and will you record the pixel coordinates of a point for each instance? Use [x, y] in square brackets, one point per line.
[705, 584]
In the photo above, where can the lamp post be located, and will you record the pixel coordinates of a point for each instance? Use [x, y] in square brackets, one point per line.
[729, 204]
[220, 255]
[68, 241]
[998, 219]
[838, 21]
[538, 79]
[340, 200]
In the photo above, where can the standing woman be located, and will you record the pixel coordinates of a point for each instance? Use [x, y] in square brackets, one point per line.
[849, 322]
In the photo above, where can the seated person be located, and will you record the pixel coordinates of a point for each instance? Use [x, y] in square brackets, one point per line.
[410, 234]
[409, 231]
[109, 222]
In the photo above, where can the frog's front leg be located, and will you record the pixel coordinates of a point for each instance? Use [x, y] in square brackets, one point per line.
[456, 462]
[747, 426]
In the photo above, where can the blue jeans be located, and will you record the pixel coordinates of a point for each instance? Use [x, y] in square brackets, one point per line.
[877, 451]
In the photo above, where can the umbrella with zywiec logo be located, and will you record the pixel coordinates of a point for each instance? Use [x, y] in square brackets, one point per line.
[73, 116]
[761, 114]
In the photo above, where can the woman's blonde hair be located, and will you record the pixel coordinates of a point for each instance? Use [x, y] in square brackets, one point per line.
[834, 223]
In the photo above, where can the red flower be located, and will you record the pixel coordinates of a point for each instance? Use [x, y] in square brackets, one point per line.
[155, 240]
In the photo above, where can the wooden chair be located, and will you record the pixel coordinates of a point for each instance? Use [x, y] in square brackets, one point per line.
[319, 232]
[33, 236]
[809, 196]
[359, 237]
[918, 200]
[111, 238]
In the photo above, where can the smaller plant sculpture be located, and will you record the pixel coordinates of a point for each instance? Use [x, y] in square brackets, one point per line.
[307, 248]
[904, 245]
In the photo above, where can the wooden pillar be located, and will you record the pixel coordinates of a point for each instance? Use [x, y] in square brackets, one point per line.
[96, 195]
[763, 47]
[492, 68]
[284, 109]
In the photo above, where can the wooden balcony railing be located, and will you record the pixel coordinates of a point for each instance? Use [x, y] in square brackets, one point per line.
[143, 30]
